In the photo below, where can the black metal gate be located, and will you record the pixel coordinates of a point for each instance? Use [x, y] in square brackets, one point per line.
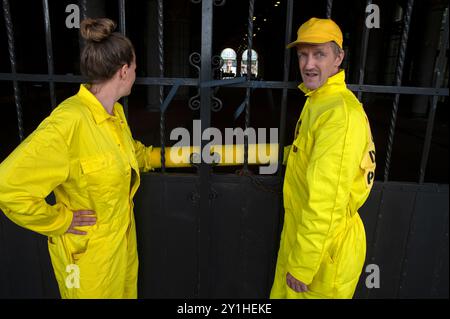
[214, 235]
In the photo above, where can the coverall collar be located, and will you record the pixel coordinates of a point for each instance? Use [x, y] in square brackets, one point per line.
[98, 111]
[337, 81]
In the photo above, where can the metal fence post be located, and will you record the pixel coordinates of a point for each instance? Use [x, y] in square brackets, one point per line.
[48, 41]
[398, 82]
[122, 28]
[12, 60]
[251, 9]
[362, 60]
[204, 221]
[438, 79]
[162, 120]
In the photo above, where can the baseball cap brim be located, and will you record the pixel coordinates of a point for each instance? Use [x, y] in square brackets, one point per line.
[311, 40]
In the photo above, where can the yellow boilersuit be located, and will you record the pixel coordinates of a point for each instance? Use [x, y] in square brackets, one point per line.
[91, 162]
[329, 174]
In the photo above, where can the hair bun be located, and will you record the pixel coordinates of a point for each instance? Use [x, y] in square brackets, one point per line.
[97, 29]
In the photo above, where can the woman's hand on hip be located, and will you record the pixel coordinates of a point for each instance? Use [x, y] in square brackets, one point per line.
[82, 218]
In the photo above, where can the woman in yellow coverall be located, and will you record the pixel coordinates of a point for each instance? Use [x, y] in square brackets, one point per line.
[329, 174]
[84, 152]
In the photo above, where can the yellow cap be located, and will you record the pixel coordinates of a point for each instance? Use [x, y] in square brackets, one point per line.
[318, 31]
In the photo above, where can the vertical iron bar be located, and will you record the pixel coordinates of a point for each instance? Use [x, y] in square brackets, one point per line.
[48, 41]
[12, 60]
[282, 133]
[83, 5]
[122, 28]
[363, 57]
[286, 67]
[204, 221]
[329, 7]
[83, 10]
[399, 72]
[122, 25]
[438, 80]
[398, 82]
[251, 6]
[439, 265]
[162, 120]
[376, 233]
[405, 250]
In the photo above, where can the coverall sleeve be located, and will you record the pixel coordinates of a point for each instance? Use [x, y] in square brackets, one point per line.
[143, 156]
[29, 174]
[339, 141]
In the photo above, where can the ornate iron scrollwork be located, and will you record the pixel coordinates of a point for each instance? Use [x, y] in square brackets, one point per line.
[216, 104]
[217, 3]
[217, 63]
[194, 102]
[195, 60]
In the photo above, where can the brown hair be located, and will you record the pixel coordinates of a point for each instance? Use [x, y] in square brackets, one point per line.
[105, 51]
[336, 49]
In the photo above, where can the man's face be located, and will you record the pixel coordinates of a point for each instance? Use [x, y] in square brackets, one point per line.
[317, 63]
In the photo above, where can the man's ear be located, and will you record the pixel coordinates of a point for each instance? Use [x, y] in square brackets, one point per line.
[340, 58]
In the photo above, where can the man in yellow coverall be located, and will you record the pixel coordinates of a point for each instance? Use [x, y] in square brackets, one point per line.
[330, 172]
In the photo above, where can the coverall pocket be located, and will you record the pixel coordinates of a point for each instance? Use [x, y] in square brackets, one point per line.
[87, 249]
[299, 158]
[298, 144]
[352, 254]
[93, 164]
[76, 256]
[60, 256]
[102, 175]
[51, 241]
[297, 154]
[325, 278]
[336, 247]
[79, 249]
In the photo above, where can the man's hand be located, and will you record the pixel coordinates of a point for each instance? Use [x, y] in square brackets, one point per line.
[295, 284]
[82, 218]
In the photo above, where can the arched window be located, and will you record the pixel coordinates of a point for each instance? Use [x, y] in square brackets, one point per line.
[254, 63]
[229, 58]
